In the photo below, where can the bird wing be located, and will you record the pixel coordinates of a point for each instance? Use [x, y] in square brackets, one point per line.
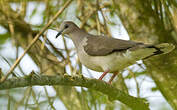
[101, 45]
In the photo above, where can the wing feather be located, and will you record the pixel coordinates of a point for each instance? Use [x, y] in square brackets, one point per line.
[101, 45]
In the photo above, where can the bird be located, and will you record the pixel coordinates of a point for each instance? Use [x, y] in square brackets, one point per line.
[107, 54]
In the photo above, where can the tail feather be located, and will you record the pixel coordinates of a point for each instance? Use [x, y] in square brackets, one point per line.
[161, 49]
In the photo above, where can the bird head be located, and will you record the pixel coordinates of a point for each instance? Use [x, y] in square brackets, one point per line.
[66, 27]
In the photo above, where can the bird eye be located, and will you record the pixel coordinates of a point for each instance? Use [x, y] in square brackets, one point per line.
[66, 26]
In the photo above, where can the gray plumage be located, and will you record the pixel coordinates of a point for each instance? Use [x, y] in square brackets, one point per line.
[101, 45]
[102, 53]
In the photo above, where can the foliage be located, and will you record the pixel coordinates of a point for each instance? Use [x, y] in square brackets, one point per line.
[150, 21]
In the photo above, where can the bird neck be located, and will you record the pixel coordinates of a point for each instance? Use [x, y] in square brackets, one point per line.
[77, 36]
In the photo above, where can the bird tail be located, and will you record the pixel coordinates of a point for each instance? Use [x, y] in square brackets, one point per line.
[160, 49]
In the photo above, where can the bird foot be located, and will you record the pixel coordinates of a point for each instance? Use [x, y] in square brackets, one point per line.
[104, 74]
[112, 77]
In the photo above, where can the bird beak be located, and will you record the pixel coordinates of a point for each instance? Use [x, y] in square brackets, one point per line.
[59, 33]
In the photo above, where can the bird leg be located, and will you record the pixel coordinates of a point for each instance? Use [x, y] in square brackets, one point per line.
[104, 73]
[113, 76]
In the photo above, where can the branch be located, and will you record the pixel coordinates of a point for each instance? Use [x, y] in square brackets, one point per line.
[66, 80]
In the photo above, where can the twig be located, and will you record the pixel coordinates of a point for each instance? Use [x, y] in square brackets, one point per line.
[68, 55]
[104, 19]
[27, 98]
[49, 99]
[22, 100]
[35, 99]
[43, 42]
[137, 85]
[13, 73]
[55, 49]
[98, 25]
[23, 8]
[35, 39]
[9, 100]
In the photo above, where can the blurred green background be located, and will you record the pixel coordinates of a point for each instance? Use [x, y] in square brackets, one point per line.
[148, 21]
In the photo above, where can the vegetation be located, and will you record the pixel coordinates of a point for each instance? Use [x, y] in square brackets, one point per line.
[31, 57]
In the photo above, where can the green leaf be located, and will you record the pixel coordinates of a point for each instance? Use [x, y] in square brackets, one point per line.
[4, 37]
